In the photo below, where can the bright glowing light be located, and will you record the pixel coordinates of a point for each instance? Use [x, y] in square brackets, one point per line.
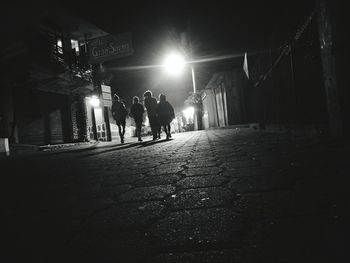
[94, 101]
[146, 121]
[188, 113]
[174, 64]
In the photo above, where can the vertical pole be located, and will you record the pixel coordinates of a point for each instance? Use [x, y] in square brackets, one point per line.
[326, 37]
[193, 80]
[197, 125]
[196, 118]
[191, 56]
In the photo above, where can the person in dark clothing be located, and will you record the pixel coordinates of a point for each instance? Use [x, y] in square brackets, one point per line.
[119, 113]
[151, 106]
[166, 114]
[136, 112]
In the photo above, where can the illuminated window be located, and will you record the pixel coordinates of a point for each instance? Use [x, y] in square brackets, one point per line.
[75, 46]
[59, 46]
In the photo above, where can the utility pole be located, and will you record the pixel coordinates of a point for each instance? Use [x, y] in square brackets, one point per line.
[197, 103]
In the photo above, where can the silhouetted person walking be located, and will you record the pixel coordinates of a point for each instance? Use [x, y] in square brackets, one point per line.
[136, 112]
[151, 106]
[119, 113]
[166, 114]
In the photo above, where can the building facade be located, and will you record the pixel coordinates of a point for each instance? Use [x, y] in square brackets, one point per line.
[47, 77]
[223, 100]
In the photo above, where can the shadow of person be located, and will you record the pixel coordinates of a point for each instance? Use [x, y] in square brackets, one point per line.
[149, 143]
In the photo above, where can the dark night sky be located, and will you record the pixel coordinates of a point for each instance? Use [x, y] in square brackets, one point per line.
[218, 28]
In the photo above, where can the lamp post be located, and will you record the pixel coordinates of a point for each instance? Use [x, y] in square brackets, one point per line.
[196, 125]
[174, 64]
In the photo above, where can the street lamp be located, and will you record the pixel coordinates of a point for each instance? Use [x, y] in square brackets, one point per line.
[174, 64]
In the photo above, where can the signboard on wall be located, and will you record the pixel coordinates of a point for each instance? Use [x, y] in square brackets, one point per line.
[106, 95]
[110, 47]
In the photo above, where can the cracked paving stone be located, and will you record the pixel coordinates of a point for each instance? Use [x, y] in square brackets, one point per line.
[195, 164]
[129, 172]
[86, 207]
[211, 256]
[106, 245]
[201, 181]
[147, 193]
[171, 163]
[200, 197]
[251, 171]
[250, 184]
[178, 159]
[159, 180]
[115, 190]
[241, 164]
[125, 179]
[126, 215]
[195, 227]
[165, 170]
[202, 171]
[274, 161]
[268, 204]
[203, 159]
[320, 199]
[143, 165]
[291, 240]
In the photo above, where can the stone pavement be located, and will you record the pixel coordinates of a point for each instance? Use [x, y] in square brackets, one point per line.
[228, 195]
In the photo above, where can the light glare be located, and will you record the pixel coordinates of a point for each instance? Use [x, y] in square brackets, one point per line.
[188, 113]
[94, 101]
[174, 64]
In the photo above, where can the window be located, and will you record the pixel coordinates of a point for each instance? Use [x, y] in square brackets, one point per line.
[59, 46]
[75, 46]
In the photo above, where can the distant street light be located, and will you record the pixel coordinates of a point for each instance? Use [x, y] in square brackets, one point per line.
[188, 113]
[174, 64]
[94, 101]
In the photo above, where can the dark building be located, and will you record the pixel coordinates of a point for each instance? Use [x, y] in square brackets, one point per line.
[223, 100]
[45, 79]
[298, 81]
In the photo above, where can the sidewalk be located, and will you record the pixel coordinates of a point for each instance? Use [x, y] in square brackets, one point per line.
[25, 149]
[28, 149]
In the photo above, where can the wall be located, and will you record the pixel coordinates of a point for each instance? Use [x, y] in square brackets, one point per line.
[224, 100]
[42, 117]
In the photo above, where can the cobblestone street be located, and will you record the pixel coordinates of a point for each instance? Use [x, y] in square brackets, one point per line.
[226, 195]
